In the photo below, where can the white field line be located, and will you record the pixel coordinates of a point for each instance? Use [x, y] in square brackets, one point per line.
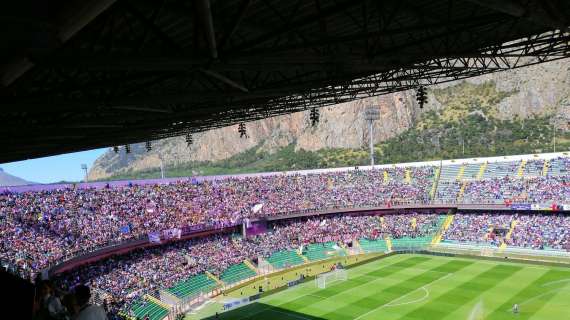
[555, 282]
[355, 287]
[547, 292]
[426, 295]
[352, 288]
[403, 296]
[538, 296]
[477, 311]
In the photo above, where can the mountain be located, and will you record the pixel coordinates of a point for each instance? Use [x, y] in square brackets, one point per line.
[502, 113]
[7, 180]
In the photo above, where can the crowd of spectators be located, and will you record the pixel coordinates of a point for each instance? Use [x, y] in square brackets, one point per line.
[495, 190]
[478, 228]
[40, 228]
[534, 231]
[142, 271]
[126, 277]
[554, 189]
[541, 231]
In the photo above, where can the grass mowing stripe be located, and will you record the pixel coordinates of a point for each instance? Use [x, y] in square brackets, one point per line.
[462, 294]
[377, 299]
[260, 309]
[542, 294]
[341, 287]
[532, 290]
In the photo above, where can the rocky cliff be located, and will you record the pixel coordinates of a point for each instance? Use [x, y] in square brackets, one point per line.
[527, 93]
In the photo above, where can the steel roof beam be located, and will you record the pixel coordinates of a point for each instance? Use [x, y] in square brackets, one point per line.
[72, 20]
[205, 12]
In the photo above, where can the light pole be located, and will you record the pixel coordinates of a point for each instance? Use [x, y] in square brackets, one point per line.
[371, 114]
[554, 122]
[84, 168]
[161, 167]
[554, 137]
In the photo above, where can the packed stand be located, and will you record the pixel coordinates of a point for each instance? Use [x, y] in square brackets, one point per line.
[541, 231]
[144, 271]
[410, 225]
[67, 222]
[532, 190]
[495, 190]
[478, 228]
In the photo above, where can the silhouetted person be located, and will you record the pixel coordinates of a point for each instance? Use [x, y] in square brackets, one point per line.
[50, 305]
[87, 311]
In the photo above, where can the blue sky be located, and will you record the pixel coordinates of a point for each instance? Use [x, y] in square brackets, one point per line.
[53, 169]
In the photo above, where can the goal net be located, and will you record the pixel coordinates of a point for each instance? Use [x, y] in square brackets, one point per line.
[324, 279]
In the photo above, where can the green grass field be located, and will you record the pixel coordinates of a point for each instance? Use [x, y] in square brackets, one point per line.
[419, 287]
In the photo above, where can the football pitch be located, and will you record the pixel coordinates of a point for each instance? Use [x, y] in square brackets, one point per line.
[419, 287]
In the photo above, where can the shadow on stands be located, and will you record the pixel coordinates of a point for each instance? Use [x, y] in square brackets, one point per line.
[18, 298]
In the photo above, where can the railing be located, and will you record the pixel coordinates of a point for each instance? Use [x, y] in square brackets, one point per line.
[17, 270]
[552, 256]
[142, 240]
[128, 245]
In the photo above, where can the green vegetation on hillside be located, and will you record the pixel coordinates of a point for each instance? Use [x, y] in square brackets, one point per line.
[466, 126]
[252, 160]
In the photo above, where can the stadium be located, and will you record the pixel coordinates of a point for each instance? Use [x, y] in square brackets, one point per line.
[255, 226]
[460, 238]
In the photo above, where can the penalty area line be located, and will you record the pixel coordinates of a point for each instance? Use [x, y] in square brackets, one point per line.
[390, 304]
[426, 295]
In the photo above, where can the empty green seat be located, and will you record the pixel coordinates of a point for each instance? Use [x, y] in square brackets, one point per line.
[377, 245]
[143, 307]
[319, 251]
[192, 286]
[282, 259]
[407, 243]
[236, 272]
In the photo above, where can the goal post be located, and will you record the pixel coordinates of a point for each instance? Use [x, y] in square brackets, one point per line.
[325, 279]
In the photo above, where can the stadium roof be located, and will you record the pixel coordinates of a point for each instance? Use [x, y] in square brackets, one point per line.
[84, 74]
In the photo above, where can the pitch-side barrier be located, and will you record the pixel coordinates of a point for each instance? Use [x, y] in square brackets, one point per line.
[487, 251]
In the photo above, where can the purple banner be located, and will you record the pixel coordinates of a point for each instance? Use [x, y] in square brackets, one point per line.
[194, 228]
[521, 206]
[256, 227]
[173, 233]
[154, 237]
